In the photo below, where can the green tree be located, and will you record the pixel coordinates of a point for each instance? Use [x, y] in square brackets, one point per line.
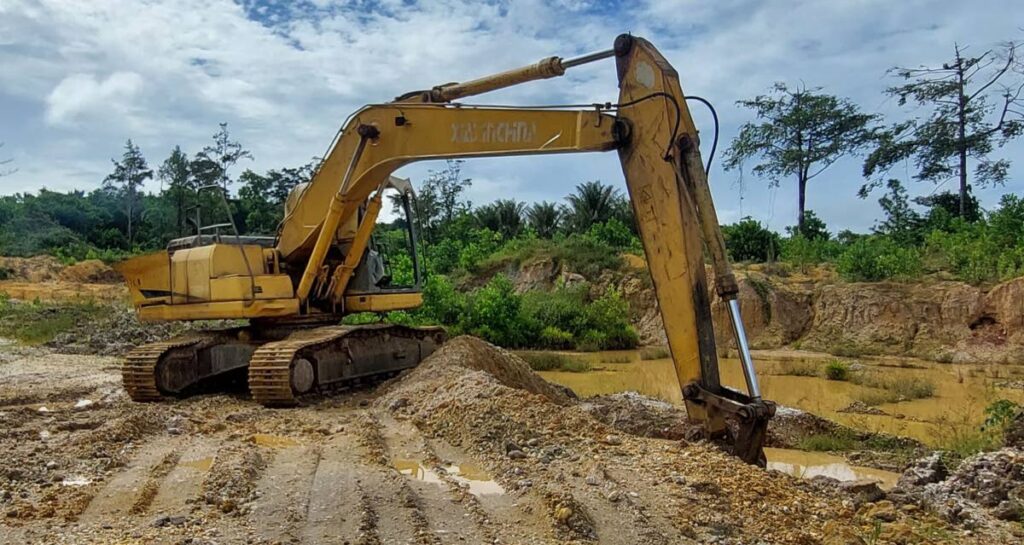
[814, 228]
[799, 133]
[748, 240]
[439, 201]
[544, 218]
[211, 165]
[965, 124]
[504, 216]
[175, 175]
[902, 223]
[593, 202]
[128, 175]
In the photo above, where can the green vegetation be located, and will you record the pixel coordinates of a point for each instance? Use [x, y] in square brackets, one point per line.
[654, 353]
[837, 370]
[964, 438]
[824, 442]
[38, 323]
[891, 389]
[550, 361]
[567, 318]
[798, 369]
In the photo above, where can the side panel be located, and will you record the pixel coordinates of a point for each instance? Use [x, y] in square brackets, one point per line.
[666, 215]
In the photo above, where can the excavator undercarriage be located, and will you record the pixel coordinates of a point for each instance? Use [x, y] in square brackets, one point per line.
[279, 362]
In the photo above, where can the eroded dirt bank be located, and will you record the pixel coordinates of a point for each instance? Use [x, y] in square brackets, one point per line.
[471, 447]
[938, 320]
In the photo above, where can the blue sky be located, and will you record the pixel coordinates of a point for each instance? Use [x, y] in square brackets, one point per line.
[80, 77]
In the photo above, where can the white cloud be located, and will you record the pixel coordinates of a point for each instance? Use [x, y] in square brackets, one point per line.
[79, 78]
[83, 94]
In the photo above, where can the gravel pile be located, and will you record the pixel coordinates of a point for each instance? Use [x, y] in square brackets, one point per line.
[592, 474]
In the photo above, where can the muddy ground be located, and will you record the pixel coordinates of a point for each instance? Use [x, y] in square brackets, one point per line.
[471, 447]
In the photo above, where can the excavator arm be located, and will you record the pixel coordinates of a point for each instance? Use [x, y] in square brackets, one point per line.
[651, 129]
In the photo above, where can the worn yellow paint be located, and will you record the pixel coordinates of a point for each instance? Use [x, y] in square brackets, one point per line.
[222, 310]
[665, 211]
[382, 302]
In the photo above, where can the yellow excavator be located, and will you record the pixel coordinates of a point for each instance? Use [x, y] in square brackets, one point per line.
[294, 288]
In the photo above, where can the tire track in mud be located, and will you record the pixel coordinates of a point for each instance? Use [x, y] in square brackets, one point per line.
[338, 508]
[279, 512]
[128, 488]
[446, 511]
[183, 483]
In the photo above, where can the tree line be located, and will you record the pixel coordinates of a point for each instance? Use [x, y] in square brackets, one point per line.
[965, 110]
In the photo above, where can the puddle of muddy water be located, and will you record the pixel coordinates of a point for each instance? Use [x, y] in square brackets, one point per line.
[474, 478]
[273, 441]
[807, 465]
[961, 391]
[201, 464]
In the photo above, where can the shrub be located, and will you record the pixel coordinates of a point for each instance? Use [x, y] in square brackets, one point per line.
[552, 337]
[837, 370]
[493, 314]
[588, 256]
[748, 240]
[875, 258]
[609, 315]
[892, 389]
[803, 252]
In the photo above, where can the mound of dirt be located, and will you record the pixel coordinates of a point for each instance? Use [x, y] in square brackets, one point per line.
[40, 268]
[636, 414]
[91, 271]
[469, 353]
[596, 480]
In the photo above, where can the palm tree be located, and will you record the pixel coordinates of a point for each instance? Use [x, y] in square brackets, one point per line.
[544, 218]
[592, 203]
[504, 216]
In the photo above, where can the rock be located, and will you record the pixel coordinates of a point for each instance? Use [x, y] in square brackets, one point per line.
[614, 496]
[562, 513]
[533, 442]
[593, 480]
[863, 490]
[516, 454]
[883, 510]
[398, 403]
[930, 469]
[51, 464]
[613, 440]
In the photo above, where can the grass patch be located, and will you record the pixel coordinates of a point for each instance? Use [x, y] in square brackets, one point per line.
[550, 361]
[38, 323]
[616, 359]
[837, 370]
[891, 389]
[848, 350]
[823, 442]
[654, 353]
[798, 369]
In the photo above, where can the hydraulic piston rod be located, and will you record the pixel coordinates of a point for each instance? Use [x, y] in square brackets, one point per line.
[546, 68]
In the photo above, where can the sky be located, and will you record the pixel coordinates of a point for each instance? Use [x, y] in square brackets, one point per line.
[78, 78]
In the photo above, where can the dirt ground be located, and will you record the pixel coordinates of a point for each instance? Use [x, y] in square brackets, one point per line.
[470, 447]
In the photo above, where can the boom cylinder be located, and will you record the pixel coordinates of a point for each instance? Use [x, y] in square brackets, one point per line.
[546, 68]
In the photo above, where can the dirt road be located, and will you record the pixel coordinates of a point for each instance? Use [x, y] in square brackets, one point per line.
[469, 448]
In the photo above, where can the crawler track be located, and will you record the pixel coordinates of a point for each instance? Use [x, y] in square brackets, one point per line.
[138, 373]
[333, 357]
